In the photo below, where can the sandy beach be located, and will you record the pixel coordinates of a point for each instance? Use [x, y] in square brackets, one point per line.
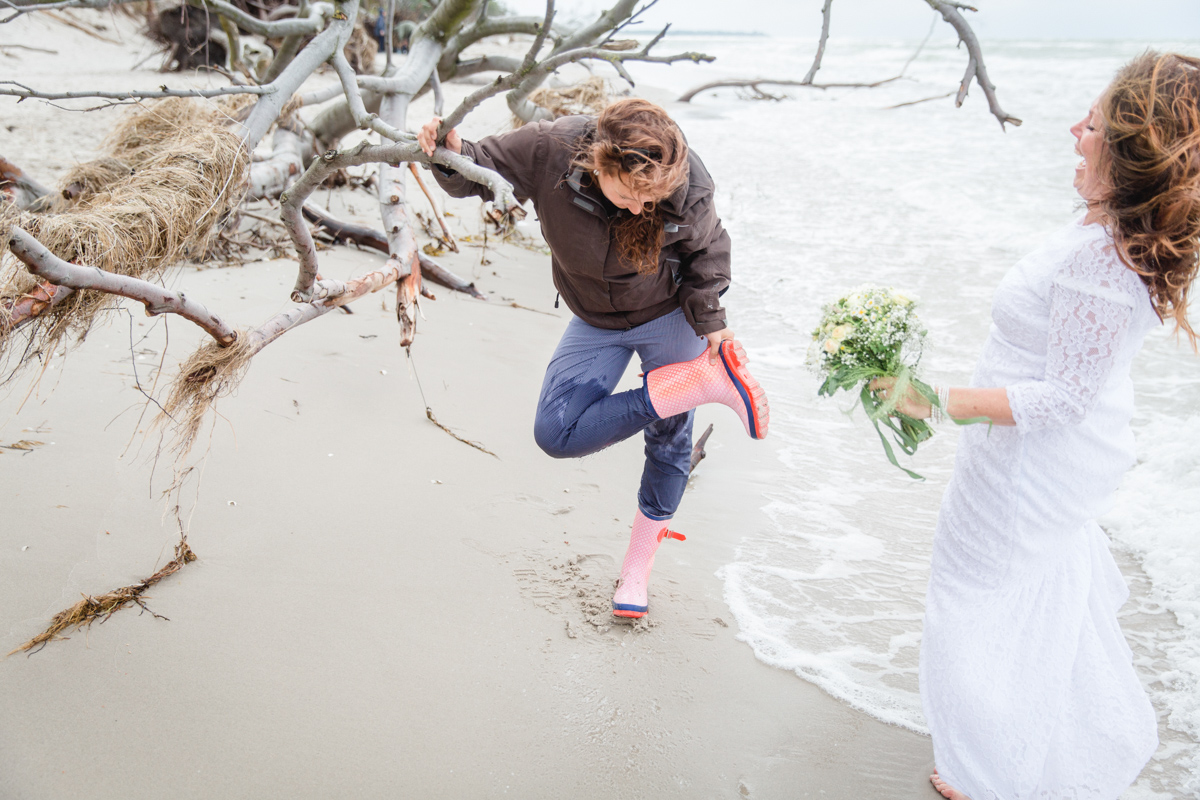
[378, 610]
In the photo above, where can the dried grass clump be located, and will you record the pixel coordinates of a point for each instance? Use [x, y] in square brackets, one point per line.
[188, 171]
[140, 139]
[208, 374]
[91, 177]
[586, 97]
[100, 607]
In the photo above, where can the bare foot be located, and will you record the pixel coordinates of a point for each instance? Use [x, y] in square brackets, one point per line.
[946, 789]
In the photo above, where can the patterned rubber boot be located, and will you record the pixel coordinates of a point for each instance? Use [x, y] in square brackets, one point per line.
[676, 388]
[631, 598]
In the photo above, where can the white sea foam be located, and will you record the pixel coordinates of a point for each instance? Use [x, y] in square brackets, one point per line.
[831, 189]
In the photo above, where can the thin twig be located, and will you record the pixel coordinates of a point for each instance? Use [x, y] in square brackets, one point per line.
[476, 445]
[951, 93]
[448, 237]
[27, 47]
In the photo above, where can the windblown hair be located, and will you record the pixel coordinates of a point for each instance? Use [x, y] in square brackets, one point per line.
[637, 142]
[1152, 165]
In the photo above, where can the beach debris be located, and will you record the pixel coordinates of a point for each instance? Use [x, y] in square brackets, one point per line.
[184, 173]
[101, 607]
[589, 96]
[430, 416]
[25, 445]
[210, 373]
[698, 451]
[950, 11]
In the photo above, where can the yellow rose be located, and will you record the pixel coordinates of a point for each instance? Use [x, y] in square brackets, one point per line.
[842, 331]
[831, 345]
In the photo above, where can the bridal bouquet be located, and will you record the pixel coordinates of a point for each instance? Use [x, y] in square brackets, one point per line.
[874, 332]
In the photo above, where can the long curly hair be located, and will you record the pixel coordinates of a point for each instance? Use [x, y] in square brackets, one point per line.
[1151, 166]
[637, 142]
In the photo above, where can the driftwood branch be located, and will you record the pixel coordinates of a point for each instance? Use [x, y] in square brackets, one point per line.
[755, 83]
[322, 47]
[447, 236]
[310, 25]
[816, 65]
[975, 66]
[501, 84]
[157, 300]
[361, 235]
[293, 200]
[518, 98]
[20, 189]
[339, 231]
[18, 311]
[698, 451]
[950, 12]
[15, 89]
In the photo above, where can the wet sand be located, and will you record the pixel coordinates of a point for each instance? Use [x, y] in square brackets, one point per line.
[377, 609]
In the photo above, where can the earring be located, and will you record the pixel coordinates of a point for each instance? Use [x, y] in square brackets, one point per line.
[595, 172]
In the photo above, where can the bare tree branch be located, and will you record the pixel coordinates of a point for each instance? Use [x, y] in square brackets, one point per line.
[363, 236]
[311, 25]
[589, 34]
[326, 43]
[21, 7]
[501, 84]
[518, 98]
[950, 12]
[922, 100]
[15, 89]
[362, 117]
[816, 65]
[975, 65]
[18, 311]
[754, 83]
[20, 189]
[447, 236]
[292, 201]
[44, 264]
[322, 95]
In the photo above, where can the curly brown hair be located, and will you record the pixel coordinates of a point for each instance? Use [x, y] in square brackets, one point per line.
[1152, 164]
[637, 142]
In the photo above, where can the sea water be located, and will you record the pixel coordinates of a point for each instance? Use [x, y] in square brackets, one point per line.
[822, 190]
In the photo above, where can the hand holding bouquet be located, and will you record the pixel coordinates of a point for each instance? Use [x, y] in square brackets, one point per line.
[874, 332]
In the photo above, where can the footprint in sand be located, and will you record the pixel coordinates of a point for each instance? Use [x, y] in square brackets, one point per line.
[550, 507]
[578, 589]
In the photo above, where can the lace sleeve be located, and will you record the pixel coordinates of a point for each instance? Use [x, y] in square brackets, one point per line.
[1091, 310]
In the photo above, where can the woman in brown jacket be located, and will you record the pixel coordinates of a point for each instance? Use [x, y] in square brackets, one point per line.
[640, 257]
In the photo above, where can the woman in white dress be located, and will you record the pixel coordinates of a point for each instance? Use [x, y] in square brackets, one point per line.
[1026, 681]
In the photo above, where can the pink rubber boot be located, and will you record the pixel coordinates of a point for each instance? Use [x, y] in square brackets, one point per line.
[676, 388]
[631, 599]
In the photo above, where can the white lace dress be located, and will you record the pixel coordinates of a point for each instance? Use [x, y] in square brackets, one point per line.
[1026, 680]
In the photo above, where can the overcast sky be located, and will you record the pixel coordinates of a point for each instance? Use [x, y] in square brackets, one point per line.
[1165, 20]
